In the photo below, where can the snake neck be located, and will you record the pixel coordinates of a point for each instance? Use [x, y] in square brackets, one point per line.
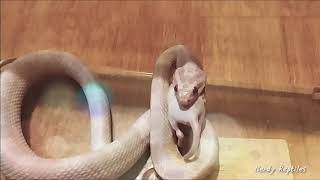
[163, 149]
[168, 61]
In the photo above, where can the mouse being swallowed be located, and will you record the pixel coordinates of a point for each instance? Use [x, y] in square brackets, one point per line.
[186, 103]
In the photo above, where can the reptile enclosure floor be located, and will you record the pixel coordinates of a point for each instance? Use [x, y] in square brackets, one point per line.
[255, 128]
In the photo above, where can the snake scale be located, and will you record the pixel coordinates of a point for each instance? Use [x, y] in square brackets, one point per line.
[108, 160]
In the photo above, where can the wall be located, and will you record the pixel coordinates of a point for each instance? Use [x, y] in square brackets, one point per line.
[272, 45]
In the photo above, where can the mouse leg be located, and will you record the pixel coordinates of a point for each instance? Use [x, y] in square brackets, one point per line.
[178, 132]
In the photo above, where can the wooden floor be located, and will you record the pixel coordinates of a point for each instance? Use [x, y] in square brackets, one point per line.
[272, 45]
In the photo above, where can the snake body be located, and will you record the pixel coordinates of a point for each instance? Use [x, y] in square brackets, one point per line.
[107, 159]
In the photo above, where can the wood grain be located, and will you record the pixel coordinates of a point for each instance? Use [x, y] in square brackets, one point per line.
[316, 93]
[270, 45]
[247, 50]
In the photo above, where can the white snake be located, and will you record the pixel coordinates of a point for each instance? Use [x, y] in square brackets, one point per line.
[107, 159]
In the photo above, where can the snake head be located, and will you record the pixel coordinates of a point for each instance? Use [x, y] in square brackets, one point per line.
[189, 83]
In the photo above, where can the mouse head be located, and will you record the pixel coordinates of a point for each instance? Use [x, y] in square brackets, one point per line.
[189, 83]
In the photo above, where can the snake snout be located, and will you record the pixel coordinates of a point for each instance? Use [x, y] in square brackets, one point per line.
[186, 102]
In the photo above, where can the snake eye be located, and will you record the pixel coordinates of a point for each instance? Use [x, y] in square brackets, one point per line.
[176, 88]
[195, 91]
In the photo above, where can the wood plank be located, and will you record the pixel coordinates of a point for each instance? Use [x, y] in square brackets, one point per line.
[266, 39]
[303, 50]
[123, 35]
[257, 8]
[316, 93]
[245, 50]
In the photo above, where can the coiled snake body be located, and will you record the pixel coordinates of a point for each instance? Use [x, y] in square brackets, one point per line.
[107, 159]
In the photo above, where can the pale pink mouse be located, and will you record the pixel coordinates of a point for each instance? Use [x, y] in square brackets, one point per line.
[186, 103]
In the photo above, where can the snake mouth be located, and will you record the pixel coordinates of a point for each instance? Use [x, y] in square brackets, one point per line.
[186, 105]
[186, 141]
